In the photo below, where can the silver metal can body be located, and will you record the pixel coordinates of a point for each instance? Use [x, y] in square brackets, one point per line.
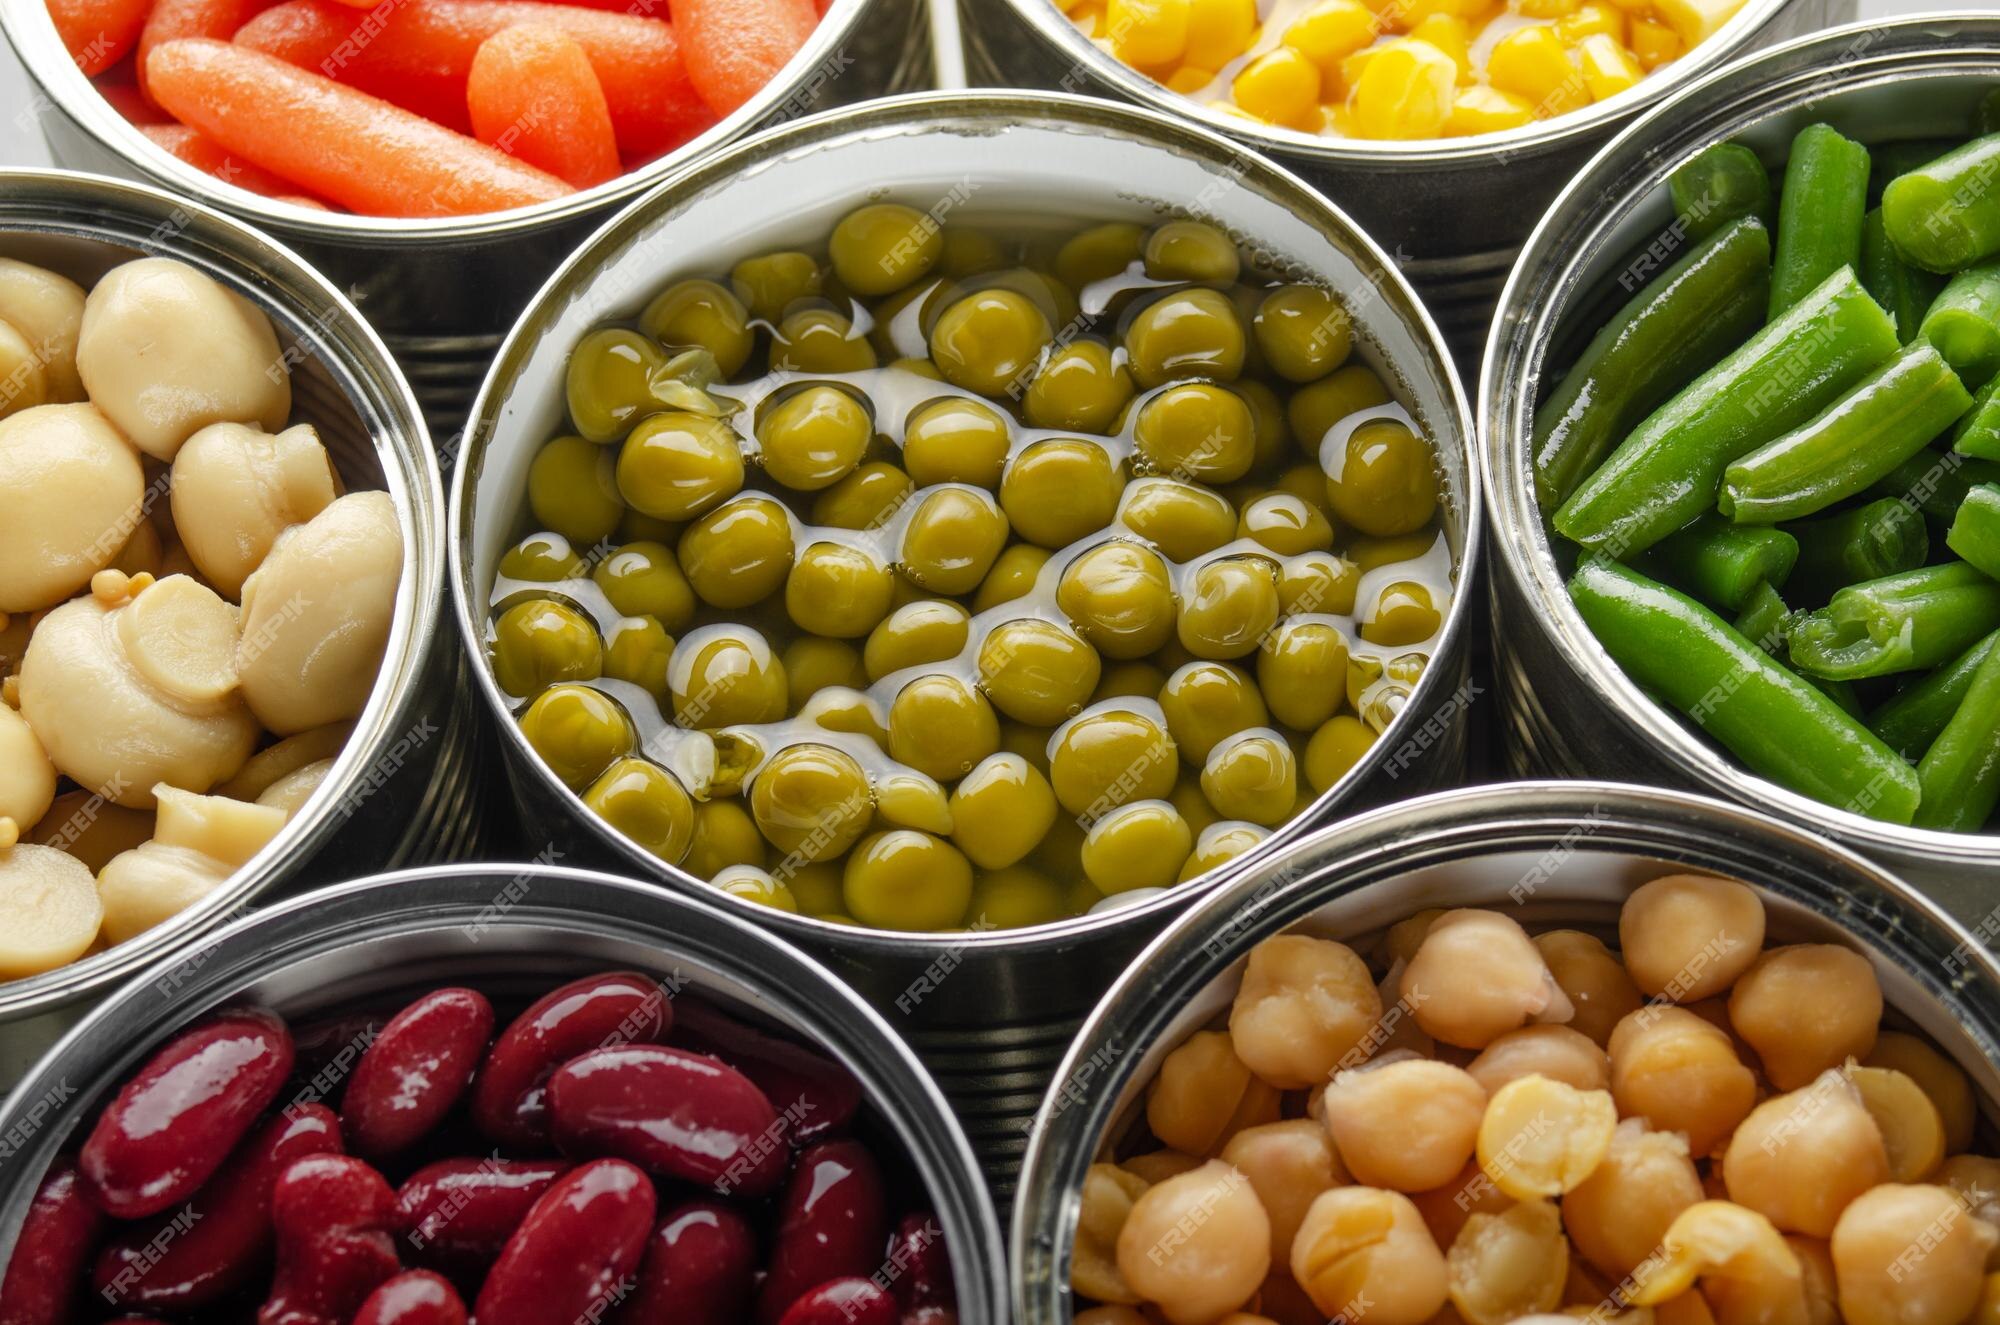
[443, 291]
[403, 789]
[510, 933]
[991, 1011]
[1569, 709]
[1554, 853]
[1457, 210]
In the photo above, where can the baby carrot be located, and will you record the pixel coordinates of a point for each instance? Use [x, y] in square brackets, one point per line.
[171, 20]
[418, 54]
[98, 33]
[208, 156]
[337, 142]
[533, 95]
[735, 47]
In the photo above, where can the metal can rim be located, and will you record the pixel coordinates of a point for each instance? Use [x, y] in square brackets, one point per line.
[1053, 28]
[921, 111]
[75, 205]
[27, 26]
[344, 915]
[1547, 275]
[1370, 851]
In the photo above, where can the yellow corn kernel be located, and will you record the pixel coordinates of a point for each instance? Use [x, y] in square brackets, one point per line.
[1485, 110]
[1548, 8]
[1695, 21]
[1350, 71]
[1608, 68]
[1278, 86]
[1147, 33]
[1188, 79]
[1405, 91]
[1331, 31]
[1591, 19]
[1220, 30]
[1654, 44]
[1449, 34]
[1533, 64]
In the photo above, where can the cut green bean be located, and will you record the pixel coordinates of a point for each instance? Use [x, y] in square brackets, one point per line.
[1722, 564]
[1670, 331]
[1910, 720]
[1906, 291]
[1964, 322]
[1666, 472]
[1978, 432]
[1899, 623]
[1960, 774]
[1819, 214]
[1761, 619]
[1937, 481]
[1852, 444]
[1721, 184]
[1773, 720]
[1945, 214]
[1865, 543]
[1975, 530]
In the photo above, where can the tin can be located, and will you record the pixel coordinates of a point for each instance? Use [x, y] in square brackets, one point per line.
[441, 291]
[510, 932]
[403, 788]
[1548, 854]
[1570, 710]
[991, 1011]
[1457, 210]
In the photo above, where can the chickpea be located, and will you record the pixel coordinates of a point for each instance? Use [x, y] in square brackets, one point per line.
[1799, 1158]
[1204, 1095]
[1108, 1194]
[1618, 1214]
[1910, 1255]
[1407, 1125]
[1912, 1129]
[1542, 1138]
[1742, 1264]
[1505, 1266]
[1159, 1165]
[1366, 1251]
[1402, 939]
[1196, 1246]
[1592, 977]
[1688, 936]
[1476, 976]
[1556, 1052]
[1806, 1008]
[1288, 1164]
[1680, 1074]
[1305, 1005]
[1470, 1192]
[1940, 1078]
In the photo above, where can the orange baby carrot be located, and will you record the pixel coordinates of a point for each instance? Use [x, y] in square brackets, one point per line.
[341, 144]
[173, 19]
[533, 95]
[208, 156]
[98, 33]
[418, 54]
[735, 47]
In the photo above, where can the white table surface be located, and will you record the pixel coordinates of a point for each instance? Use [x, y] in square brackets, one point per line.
[18, 148]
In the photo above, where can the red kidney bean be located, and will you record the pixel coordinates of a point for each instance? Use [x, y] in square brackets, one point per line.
[179, 1118]
[570, 1258]
[676, 1114]
[459, 1213]
[414, 1297]
[921, 1264]
[818, 1093]
[414, 1072]
[332, 1214]
[831, 1225]
[843, 1302]
[508, 1099]
[181, 1259]
[45, 1276]
[699, 1267]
